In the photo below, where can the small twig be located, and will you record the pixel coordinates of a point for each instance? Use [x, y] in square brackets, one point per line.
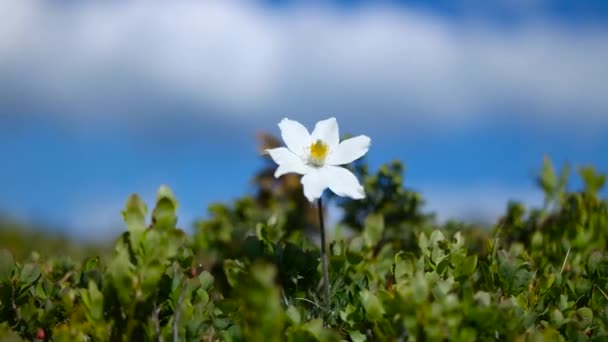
[155, 312]
[14, 306]
[604, 293]
[66, 277]
[324, 257]
[284, 297]
[178, 310]
[565, 259]
[311, 302]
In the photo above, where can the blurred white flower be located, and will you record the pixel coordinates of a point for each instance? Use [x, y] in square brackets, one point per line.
[317, 157]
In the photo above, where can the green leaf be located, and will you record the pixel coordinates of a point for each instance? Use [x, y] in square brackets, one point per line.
[92, 299]
[514, 275]
[164, 214]
[202, 296]
[232, 269]
[374, 229]
[166, 205]
[314, 327]
[593, 181]
[437, 255]
[585, 316]
[582, 286]
[206, 280]
[165, 191]
[353, 253]
[459, 241]
[404, 266]
[465, 267]
[91, 271]
[134, 216]
[293, 315]
[264, 274]
[357, 336]
[150, 277]
[597, 264]
[348, 315]
[436, 237]
[372, 305]
[423, 244]
[298, 334]
[29, 273]
[548, 178]
[558, 318]
[520, 281]
[121, 272]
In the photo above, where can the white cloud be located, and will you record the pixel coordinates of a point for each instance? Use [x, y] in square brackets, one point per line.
[102, 60]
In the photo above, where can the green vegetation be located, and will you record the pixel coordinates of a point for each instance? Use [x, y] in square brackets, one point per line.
[26, 241]
[252, 273]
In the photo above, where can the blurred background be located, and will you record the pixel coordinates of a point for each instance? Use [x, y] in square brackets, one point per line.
[100, 99]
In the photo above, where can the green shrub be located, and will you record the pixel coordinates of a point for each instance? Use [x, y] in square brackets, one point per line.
[252, 273]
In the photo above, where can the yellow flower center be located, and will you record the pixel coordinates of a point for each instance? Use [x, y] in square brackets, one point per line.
[318, 152]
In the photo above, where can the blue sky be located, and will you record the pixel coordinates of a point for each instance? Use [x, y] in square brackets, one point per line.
[99, 100]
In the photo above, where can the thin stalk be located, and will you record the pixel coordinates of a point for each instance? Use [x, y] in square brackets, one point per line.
[564, 264]
[155, 312]
[324, 257]
[311, 302]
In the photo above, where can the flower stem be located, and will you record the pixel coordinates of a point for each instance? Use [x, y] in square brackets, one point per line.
[324, 257]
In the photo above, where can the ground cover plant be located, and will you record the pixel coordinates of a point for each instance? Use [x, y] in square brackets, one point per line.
[252, 270]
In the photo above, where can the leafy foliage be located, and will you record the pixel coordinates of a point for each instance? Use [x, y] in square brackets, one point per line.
[251, 272]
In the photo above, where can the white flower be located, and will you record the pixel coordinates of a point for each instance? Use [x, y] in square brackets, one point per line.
[316, 156]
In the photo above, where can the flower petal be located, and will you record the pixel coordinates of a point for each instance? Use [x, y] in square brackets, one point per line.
[327, 130]
[342, 182]
[314, 183]
[288, 162]
[295, 136]
[349, 150]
